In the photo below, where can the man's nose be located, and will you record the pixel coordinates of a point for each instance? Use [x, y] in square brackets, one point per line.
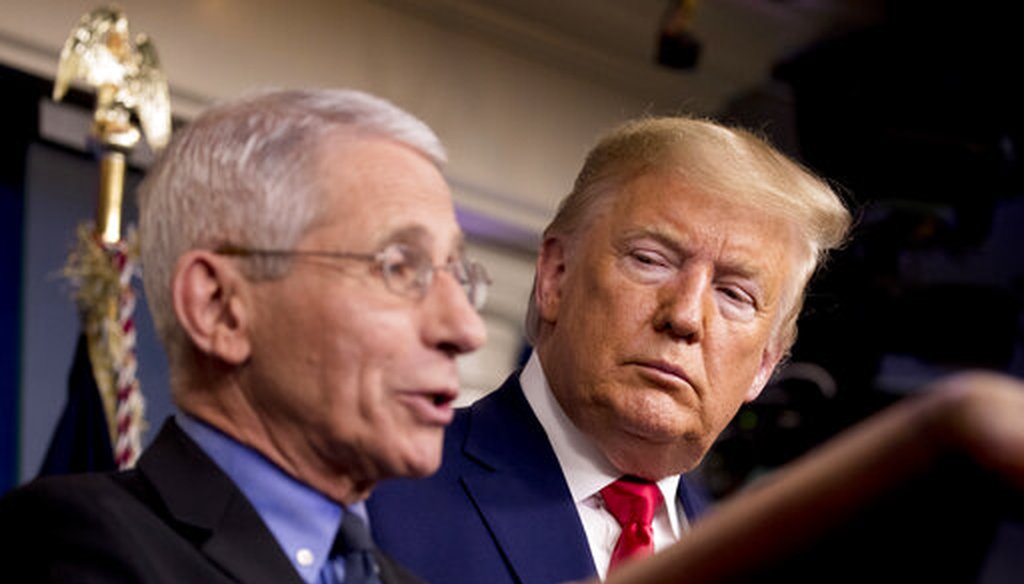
[454, 325]
[683, 304]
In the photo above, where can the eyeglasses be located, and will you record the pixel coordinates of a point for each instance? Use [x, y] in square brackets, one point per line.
[406, 271]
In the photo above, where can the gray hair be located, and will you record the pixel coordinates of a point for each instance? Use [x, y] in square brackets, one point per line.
[728, 162]
[246, 172]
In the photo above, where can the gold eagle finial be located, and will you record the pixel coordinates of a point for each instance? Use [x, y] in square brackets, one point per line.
[126, 75]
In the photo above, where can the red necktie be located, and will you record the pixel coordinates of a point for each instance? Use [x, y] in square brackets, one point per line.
[632, 502]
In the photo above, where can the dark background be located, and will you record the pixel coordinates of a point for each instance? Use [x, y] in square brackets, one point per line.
[917, 119]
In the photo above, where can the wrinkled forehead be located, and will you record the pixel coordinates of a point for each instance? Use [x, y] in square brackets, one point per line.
[374, 191]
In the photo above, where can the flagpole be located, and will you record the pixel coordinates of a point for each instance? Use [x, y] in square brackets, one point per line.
[124, 72]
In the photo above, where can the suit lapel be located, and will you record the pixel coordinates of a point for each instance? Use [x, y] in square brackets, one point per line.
[693, 498]
[211, 511]
[519, 489]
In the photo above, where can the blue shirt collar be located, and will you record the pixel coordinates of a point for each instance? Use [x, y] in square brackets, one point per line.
[303, 520]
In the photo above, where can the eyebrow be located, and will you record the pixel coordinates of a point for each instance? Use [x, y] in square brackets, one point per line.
[656, 234]
[417, 234]
[731, 268]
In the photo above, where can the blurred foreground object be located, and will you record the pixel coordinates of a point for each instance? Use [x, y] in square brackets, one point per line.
[914, 493]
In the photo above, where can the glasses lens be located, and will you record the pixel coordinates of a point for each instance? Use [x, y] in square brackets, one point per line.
[405, 270]
[476, 283]
[409, 272]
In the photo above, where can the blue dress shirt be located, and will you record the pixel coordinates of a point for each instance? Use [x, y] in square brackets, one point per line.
[303, 520]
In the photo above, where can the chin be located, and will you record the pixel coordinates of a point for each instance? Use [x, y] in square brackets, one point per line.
[422, 467]
[656, 454]
[654, 424]
[409, 467]
[423, 458]
[656, 466]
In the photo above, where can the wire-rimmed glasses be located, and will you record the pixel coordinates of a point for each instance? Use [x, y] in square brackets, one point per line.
[406, 270]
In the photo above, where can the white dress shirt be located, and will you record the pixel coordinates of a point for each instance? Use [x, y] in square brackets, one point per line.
[587, 471]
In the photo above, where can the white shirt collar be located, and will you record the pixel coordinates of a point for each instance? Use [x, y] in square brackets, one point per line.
[585, 468]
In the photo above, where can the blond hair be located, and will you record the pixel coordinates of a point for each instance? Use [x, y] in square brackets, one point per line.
[728, 162]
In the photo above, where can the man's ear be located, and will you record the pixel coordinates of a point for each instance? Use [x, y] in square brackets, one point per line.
[770, 359]
[206, 293]
[551, 272]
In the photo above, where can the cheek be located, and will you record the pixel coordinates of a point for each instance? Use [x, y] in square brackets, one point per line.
[732, 367]
[606, 311]
[738, 346]
[366, 350]
[353, 394]
[358, 354]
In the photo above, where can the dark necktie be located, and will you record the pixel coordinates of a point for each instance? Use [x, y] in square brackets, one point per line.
[354, 544]
[632, 502]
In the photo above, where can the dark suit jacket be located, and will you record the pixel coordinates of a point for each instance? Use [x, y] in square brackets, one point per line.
[498, 511]
[175, 518]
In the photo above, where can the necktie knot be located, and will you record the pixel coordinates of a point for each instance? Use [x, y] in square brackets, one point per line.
[632, 502]
[354, 544]
[352, 535]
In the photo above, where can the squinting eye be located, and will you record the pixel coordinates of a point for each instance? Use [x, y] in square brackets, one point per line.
[738, 296]
[647, 266]
[647, 258]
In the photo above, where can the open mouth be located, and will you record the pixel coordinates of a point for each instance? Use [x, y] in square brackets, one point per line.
[443, 399]
[432, 407]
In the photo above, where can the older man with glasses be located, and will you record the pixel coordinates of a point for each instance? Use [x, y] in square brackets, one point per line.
[306, 274]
